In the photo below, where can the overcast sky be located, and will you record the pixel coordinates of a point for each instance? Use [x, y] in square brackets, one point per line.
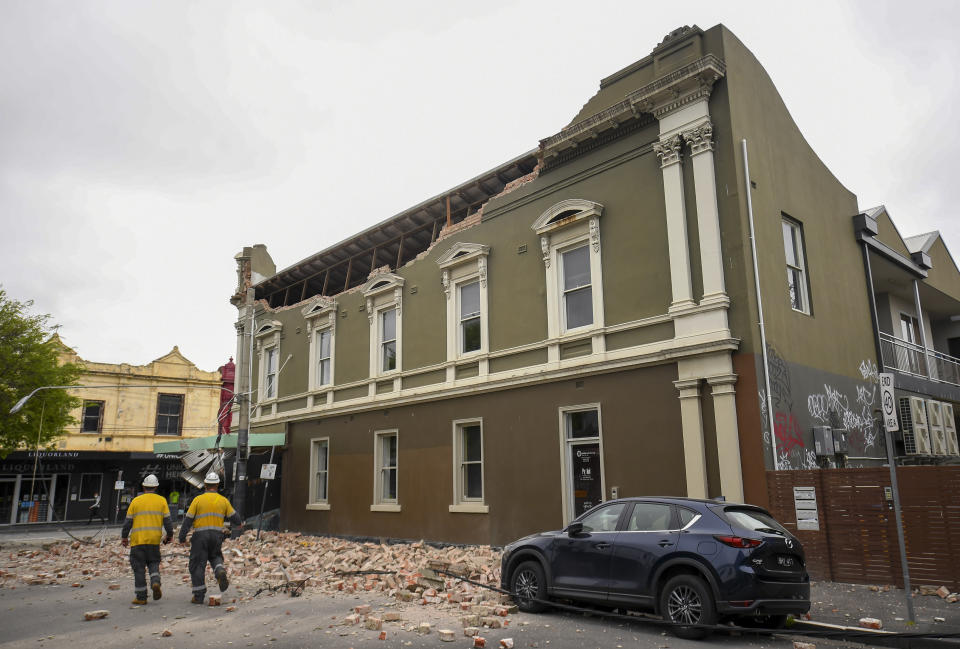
[143, 144]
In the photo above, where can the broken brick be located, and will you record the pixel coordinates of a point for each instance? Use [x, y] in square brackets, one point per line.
[95, 615]
[870, 623]
[446, 635]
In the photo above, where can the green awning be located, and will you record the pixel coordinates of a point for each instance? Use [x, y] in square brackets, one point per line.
[227, 441]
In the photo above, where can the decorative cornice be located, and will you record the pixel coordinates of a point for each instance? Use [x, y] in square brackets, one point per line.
[671, 91]
[668, 150]
[700, 138]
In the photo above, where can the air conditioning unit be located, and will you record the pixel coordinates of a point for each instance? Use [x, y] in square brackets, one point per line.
[823, 440]
[938, 440]
[950, 429]
[913, 422]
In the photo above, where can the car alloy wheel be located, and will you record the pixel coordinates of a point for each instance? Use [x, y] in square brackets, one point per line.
[529, 587]
[684, 605]
[686, 600]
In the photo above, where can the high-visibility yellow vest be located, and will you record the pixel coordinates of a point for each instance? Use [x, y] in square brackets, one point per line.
[147, 512]
[208, 511]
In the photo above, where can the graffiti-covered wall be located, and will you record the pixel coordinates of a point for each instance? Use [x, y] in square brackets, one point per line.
[803, 397]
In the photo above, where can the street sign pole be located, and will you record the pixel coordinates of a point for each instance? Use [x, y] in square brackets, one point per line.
[891, 424]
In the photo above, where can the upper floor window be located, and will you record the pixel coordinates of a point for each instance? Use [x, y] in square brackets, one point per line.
[797, 286]
[384, 305]
[268, 344]
[570, 243]
[169, 414]
[92, 417]
[321, 317]
[469, 299]
[464, 278]
[577, 290]
[388, 340]
[270, 373]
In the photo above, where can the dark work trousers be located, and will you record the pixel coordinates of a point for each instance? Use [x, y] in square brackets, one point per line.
[204, 547]
[144, 558]
[96, 511]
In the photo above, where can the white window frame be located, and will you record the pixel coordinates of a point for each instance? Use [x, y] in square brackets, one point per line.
[313, 502]
[381, 504]
[384, 291]
[267, 339]
[796, 229]
[566, 478]
[567, 225]
[462, 504]
[321, 316]
[463, 264]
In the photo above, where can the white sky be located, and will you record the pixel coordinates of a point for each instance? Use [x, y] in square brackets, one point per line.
[143, 144]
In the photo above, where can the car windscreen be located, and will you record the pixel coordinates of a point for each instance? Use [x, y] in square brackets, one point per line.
[754, 520]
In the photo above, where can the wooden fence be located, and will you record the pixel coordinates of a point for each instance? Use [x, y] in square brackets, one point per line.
[857, 539]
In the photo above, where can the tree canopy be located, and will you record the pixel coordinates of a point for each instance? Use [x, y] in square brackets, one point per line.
[29, 359]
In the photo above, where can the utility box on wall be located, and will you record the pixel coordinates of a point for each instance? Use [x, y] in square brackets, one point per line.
[823, 440]
[840, 445]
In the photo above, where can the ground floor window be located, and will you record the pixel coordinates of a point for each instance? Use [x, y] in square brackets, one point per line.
[91, 484]
[320, 459]
[385, 452]
[468, 461]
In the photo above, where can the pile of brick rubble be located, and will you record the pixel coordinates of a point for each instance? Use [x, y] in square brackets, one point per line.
[411, 573]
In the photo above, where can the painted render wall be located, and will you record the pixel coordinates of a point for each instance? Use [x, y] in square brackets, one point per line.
[521, 446]
[633, 241]
[826, 357]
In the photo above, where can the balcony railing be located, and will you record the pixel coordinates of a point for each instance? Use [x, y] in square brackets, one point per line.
[913, 359]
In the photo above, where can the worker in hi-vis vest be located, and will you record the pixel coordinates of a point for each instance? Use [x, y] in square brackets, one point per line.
[206, 515]
[147, 518]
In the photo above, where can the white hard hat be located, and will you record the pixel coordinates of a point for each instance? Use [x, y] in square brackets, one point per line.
[212, 478]
[151, 481]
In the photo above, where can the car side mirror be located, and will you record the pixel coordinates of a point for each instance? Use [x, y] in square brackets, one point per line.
[574, 528]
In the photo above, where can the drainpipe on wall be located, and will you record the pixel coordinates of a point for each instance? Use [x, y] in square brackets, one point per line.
[763, 330]
[875, 320]
[923, 330]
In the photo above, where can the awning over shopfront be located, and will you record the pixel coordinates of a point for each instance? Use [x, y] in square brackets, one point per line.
[226, 441]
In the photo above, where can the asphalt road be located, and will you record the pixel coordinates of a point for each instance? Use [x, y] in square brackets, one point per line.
[52, 616]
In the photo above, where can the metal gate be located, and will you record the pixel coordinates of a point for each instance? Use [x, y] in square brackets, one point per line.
[857, 539]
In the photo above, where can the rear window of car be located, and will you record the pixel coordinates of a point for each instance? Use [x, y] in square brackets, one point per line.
[754, 520]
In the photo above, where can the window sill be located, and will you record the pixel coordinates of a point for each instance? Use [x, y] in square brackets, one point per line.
[321, 507]
[385, 507]
[469, 508]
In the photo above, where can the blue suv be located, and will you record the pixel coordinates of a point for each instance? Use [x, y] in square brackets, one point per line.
[695, 562]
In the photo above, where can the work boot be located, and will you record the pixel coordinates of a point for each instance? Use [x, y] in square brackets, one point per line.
[197, 599]
[222, 580]
[157, 593]
[139, 599]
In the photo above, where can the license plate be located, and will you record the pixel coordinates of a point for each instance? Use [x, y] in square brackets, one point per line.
[786, 562]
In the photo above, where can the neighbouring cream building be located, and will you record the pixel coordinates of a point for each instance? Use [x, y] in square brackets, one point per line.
[125, 410]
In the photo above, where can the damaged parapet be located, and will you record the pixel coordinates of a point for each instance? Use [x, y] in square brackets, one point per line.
[254, 265]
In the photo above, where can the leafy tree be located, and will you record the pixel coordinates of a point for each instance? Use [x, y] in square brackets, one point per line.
[29, 359]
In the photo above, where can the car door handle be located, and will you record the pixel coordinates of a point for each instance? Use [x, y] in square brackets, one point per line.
[601, 545]
[665, 543]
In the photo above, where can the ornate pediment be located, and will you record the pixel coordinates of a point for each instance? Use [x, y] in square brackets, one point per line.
[382, 282]
[319, 305]
[565, 213]
[267, 328]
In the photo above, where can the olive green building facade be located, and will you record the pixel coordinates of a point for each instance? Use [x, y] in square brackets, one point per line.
[578, 324]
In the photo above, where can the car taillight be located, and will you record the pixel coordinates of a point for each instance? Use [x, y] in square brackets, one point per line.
[739, 541]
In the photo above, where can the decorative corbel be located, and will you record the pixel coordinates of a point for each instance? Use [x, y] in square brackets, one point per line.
[482, 268]
[595, 233]
[370, 310]
[398, 296]
[445, 281]
[545, 249]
